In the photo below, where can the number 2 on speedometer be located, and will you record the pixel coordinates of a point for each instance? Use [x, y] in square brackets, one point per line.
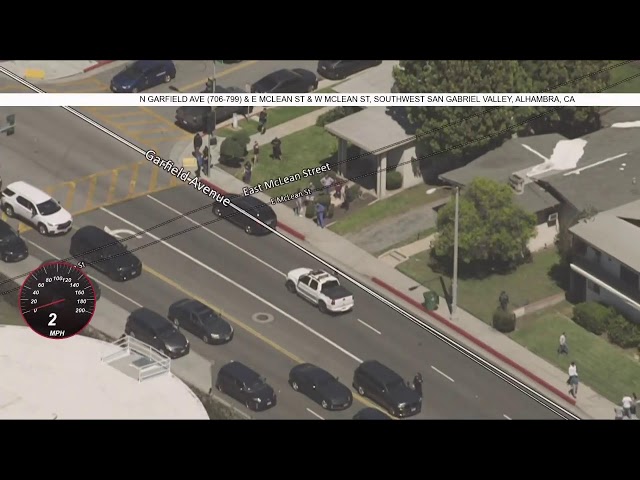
[53, 317]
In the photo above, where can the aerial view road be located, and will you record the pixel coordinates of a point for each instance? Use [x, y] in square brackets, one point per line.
[106, 184]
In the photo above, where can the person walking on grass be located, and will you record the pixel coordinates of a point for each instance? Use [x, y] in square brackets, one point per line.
[563, 348]
[262, 121]
[246, 176]
[320, 214]
[256, 152]
[276, 144]
[573, 380]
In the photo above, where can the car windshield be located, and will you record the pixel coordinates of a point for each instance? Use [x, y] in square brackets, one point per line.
[210, 319]
[255, 384]
[326, 286]
[49, 207]
[165, 329]
[395, 384]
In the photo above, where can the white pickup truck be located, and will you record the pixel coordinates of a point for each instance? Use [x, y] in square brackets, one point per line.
[321, 289]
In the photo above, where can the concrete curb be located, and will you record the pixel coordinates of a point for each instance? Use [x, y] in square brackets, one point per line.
[476, 341]
[97, 65]
[281, 225]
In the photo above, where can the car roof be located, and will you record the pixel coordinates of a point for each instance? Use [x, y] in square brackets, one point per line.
[379, 371]
[95, 232]
[194, 305]
[249, 200]
[146, 64]
[240, 371]
[313, 371]
[149, 317]
[283, 74]
[34, 194]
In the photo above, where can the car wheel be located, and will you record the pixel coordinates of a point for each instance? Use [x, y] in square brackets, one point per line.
[217, 211]
[205, 338]
[248, 230]
[361, 391]
[8, 209]
[295, 386]
[324, 404]
[167, 78]
[135, 90]
[290, 286]
[42, 228]
[322, 307]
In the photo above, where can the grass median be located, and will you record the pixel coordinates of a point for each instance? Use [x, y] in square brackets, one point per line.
[389, 207]
[529, 283]
[606, 368]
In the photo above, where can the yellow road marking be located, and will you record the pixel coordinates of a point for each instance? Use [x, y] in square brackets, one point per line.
[70, 194]
[115, 115]
[115, 173]
[150, 131]
[153, 183]
[34, 73]
[5, 218]
[222, 74]
[246, 328]
[158, 116]
[134, 179]
[135, 123]
[92, 190]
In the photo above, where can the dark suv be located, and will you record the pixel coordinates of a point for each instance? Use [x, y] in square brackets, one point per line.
[105, 253]
[155, 330]
[384, 386]
[12, 247]
[252, 206]
[246, 386]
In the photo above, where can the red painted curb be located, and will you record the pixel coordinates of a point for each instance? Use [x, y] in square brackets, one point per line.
[478, 342]
[97, 65]
[281, 225]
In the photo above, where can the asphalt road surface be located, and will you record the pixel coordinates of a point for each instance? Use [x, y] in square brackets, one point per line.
[154, 127]
[243, 275]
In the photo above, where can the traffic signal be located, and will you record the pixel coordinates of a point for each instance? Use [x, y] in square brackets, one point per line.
[210, 122]
[11, 124]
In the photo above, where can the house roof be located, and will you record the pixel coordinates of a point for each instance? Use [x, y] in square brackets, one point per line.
[612, 116]
[373, 130]
[517, 155]
[612, 232]
[373, 80]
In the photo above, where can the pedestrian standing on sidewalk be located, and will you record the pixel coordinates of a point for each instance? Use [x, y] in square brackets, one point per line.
[197, 142]
[276, 143]
[417, 384]
[563, 348]
[320, 214]
[627, 401]
[246, 176]
[573, 380]
[262, 121]
[198, 156]
[297, 208]
[256, 152]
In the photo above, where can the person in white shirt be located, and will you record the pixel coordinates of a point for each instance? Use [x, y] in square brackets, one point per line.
[626, 406]
[573, 380]
[563, 348]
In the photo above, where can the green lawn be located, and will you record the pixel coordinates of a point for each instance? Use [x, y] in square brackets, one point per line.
[304, 149]
[609, 370]
[527, 284]
[413, 238]
[277, 116]
[390, 207]
[620, 73]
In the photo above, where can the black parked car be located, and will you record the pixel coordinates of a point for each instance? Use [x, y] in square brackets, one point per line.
[96, 286]
[155, 330]
[371, 414]
[246, 386]
[142, 75]
[12, 247]
[339, 69]
[105, 253]
[385, 387]
[193, 118]
[320, 386]
[201, 321]
[297, 80]
[251, 205]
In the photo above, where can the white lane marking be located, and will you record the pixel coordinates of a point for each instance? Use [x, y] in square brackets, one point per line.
[235, 284]
[443, 374]
[508, 418]
[314, 414]
[369, 326]
[246, 252]
[139, 305]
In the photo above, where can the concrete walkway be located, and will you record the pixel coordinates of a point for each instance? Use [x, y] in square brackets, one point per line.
[362, 265]
[47, 70]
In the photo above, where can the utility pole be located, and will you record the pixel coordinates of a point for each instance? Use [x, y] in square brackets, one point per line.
[454, 285]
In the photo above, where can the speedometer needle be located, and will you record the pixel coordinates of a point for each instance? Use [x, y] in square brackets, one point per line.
[47, 305]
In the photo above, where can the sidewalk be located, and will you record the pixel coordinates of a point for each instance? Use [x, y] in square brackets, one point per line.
[467, 329]
[47, 70]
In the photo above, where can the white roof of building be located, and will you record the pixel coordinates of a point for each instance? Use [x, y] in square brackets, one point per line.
[66, 379]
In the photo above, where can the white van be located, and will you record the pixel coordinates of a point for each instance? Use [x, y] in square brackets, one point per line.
[36, 207]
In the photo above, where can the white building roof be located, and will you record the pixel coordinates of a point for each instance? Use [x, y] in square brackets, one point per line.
[66, 379]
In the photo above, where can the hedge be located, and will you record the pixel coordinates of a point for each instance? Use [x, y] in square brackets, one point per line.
[394, 180]
[336, 114]
[593, 316]
[504, 321]
[623, 332]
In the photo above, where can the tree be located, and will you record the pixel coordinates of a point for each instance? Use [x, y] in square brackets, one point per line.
[493, 230]
[234, 148]
[563, 238]
[564, 76]
[474, 136]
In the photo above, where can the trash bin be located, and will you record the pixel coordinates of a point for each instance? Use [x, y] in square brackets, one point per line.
[431, 300]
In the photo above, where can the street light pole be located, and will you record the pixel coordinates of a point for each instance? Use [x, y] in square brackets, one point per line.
[454, 286]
